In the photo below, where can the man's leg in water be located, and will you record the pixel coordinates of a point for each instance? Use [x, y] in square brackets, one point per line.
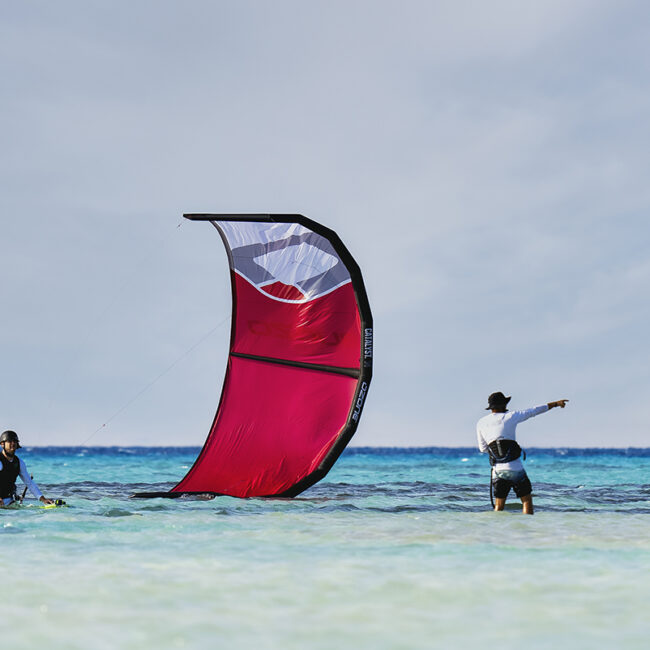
[499, 504]
[527, 504]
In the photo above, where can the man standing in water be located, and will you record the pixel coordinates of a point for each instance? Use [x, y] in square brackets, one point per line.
[11, 467]
[496, 436]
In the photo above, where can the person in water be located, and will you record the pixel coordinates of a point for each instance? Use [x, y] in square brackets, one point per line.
[496, 436]
[11, 468]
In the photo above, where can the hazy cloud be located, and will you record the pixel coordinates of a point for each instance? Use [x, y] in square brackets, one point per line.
[485, 162]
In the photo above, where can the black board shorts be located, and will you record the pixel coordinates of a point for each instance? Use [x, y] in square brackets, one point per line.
[502, 482]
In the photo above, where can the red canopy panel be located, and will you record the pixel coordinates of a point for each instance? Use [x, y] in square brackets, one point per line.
[325, 330]
[275, 425]
[300, 359]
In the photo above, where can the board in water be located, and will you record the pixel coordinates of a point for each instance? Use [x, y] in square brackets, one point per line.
[300, 359]
[58, 503]
[19, 505]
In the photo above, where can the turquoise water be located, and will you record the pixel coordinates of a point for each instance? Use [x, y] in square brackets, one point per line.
[394, 549]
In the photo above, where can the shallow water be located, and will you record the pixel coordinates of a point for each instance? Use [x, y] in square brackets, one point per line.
[394, 549]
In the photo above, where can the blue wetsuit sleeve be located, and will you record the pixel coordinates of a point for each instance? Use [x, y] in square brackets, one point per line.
[27, 480]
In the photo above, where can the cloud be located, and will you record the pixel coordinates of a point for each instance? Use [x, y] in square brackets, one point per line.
[484, 162]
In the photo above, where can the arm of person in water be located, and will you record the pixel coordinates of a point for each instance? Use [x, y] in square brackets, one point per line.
[522, 416]
[28, 481]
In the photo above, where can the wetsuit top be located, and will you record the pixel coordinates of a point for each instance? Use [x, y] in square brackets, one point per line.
[503, 425]
[9, 471]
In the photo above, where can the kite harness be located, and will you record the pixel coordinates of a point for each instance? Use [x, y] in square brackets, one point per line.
[504, 450]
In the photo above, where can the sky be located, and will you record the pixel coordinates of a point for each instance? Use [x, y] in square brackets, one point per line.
[486, 163]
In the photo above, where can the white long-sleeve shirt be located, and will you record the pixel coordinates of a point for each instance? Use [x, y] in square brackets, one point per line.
[504, 425]
[27, 480]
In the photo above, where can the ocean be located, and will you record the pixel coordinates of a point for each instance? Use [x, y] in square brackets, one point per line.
[394, 549]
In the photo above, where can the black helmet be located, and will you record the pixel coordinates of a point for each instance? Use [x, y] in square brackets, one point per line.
[9, 436]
